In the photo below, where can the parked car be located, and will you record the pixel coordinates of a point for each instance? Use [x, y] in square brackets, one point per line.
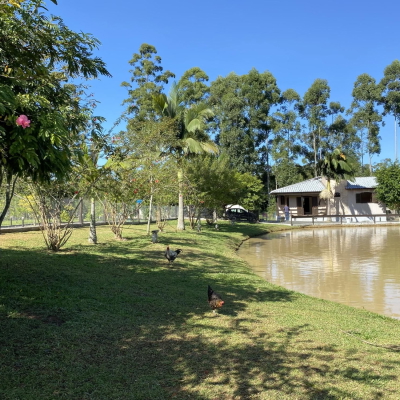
[238, 213]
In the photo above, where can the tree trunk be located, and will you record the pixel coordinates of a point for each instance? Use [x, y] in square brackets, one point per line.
[181, 220]
[149, 218]
[315, 153]
[92, 228]
[9, 193]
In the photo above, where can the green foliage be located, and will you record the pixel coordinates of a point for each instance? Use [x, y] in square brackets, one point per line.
[336, 166]
[191, 138]
[365, 117]
[287, 172]
[251, 195]
[388, 189]
[390, 86]
[147, 80]
[38, 59]
[192, 86]
[242, 106]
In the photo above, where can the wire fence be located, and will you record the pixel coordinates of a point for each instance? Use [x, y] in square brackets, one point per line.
[19, 215]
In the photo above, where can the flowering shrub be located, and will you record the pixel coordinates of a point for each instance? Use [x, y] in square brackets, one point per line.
[23, 121]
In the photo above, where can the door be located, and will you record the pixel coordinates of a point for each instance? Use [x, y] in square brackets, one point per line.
[307, 205]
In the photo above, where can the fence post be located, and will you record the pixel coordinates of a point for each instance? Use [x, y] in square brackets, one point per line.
[11, 221]
[22, 219]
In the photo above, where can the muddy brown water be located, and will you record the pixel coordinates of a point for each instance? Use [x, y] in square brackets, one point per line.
[357, 266]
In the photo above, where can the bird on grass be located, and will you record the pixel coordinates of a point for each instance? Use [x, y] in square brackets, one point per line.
[171, 255]
[214, 299]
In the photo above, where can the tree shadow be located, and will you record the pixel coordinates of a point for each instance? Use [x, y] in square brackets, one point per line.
[119, 322]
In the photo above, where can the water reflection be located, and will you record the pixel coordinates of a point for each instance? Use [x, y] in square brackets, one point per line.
[357, 266]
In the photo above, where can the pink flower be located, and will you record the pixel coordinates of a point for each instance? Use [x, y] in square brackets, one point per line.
[23, 121]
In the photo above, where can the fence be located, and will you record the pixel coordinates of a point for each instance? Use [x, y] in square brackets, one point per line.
[18, 216]
[347, 218]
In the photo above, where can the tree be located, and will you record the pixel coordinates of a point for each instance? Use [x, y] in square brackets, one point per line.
[192, 87]
[242, 107]
[190, 136]
[39, 57]
[144, 146]
[286, 145]
[314, 109]
[388, 189]
[334, 166]
[147, 80]
[54, 205]
[365, 117]
[390, 86]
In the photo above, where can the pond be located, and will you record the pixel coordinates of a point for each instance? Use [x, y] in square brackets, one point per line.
[357, 266]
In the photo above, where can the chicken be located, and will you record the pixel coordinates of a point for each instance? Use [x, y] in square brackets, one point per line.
[171, 255]
[214, 299]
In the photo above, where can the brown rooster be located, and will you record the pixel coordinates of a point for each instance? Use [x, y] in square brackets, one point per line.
[171, 255]
[214, 299]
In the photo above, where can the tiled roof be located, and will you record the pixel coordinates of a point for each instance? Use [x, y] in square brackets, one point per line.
[368, 182]
[315, 185]
[308, 186]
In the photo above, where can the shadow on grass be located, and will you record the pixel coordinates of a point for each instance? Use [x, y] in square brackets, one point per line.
[116, 322]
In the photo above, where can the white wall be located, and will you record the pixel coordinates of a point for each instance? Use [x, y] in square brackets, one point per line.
[346, 203]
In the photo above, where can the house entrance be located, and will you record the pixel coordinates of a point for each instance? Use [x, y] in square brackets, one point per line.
[307, 205]
[310, 203]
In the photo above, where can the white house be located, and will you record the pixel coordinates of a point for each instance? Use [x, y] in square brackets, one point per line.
[355, 197]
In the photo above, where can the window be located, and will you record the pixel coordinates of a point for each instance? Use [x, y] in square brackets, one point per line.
[282, 200]
[298, 202]
[365, 197]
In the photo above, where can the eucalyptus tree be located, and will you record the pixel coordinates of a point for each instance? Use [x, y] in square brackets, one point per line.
[286, 145]
[314, 109]
[242, 106]
[390, 86]
[41, 108]
[190, 135]
[230, 123]
[365, 116]
[192, 86]
[334, 166]
[148, 78]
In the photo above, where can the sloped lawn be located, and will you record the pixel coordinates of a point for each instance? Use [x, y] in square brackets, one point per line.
[115, 321]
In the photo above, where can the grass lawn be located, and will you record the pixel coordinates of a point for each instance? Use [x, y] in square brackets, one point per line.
[115, 321]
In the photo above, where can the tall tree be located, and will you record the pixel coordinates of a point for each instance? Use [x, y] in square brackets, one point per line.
[286, 145]
[191, 138]
[242, 107]
[148, 78]
[314, 109]
[365, 117]
[390, 86]
[192, 87]
[41, 112]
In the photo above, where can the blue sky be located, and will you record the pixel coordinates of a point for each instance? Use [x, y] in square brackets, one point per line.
[297, 41]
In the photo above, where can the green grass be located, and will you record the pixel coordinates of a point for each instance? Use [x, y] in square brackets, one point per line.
[114, 321]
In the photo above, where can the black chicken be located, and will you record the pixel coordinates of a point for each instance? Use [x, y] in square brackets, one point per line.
[214, 299]
[171, 255]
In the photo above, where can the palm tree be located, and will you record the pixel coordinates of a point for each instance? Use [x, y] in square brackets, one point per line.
[335, 166]
[191, 138]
